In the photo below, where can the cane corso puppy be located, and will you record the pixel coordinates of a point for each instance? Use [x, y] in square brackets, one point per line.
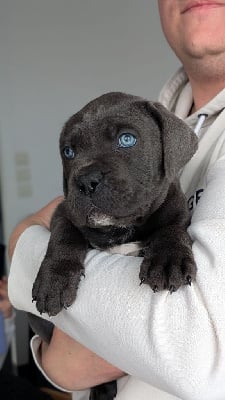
[121, 156]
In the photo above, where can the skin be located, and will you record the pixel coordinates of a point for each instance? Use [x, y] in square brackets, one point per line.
[84, 368]
[197, 36]
[5, 305]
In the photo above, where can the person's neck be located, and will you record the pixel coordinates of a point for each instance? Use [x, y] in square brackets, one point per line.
[203, 94]
[204, 88]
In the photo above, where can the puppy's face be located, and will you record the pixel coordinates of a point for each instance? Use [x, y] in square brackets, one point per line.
[113, 161]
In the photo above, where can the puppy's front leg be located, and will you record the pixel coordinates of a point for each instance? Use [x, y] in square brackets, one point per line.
[168, 260]
[57, 281]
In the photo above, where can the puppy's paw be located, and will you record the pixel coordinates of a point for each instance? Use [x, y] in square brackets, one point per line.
[168, 270]
[55, 286]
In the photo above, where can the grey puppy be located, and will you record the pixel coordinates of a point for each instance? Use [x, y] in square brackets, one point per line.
[121, 157]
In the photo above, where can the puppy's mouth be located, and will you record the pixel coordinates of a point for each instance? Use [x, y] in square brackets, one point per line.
[111, 203]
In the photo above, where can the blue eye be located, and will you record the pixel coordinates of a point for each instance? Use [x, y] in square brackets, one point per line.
[68, 152]
[127, 139]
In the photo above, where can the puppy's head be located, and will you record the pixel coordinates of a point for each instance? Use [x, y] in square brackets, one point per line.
[120, 153]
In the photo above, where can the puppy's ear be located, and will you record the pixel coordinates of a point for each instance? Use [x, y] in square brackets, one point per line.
[61, 145]
[178, 140]
[65, 185]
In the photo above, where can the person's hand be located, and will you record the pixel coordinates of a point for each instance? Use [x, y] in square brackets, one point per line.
[41, 217]
[81, 367]
[44, 215]
[5, 305]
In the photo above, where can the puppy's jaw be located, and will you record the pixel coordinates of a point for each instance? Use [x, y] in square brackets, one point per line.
[100, 220]
[96, 218]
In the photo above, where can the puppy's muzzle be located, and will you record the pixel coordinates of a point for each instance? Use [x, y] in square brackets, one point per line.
[88, 183]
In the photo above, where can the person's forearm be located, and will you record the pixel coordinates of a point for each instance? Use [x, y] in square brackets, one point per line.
[84, 369]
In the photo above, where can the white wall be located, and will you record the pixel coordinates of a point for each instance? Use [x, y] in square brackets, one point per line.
[54, 57]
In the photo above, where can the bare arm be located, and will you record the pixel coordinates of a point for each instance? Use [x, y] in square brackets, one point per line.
[83, 368]
[5, 305]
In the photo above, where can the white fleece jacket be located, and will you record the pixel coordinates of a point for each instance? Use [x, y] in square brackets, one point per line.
[175, 343]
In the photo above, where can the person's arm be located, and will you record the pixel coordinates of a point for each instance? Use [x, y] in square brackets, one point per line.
[84, 368]
[5, 305]
[8, 314]
[174, 342]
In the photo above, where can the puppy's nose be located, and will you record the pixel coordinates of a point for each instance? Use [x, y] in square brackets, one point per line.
[87, 184]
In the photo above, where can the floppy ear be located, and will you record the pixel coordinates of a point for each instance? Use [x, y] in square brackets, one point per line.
[65, 185]
[178, 140]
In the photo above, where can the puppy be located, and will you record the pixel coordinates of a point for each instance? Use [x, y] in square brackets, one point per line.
[121, 156]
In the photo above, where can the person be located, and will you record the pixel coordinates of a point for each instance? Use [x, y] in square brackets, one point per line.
[171, 346]
[8, 316]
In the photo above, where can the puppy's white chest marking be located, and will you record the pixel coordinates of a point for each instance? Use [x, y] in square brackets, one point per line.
[127, 249]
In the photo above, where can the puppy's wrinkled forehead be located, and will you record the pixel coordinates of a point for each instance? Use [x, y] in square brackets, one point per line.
[114, 107]
[109, 104]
